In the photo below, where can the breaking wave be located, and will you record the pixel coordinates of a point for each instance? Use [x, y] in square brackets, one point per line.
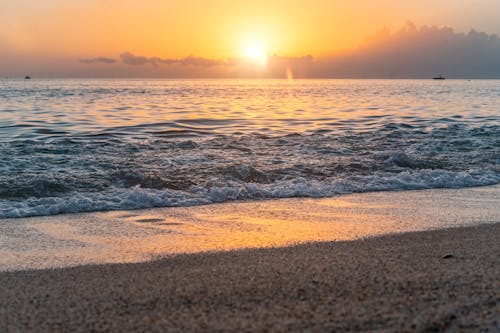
[137, 197]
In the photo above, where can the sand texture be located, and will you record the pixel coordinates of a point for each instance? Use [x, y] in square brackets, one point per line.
[445, 280]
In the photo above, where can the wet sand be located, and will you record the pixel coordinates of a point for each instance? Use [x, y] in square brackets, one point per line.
[443, 280]
[138, 236]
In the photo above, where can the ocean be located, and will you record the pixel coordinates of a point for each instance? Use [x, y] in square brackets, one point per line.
[79, 145]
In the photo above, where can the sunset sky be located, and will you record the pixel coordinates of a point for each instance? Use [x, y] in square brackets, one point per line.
[80, 37]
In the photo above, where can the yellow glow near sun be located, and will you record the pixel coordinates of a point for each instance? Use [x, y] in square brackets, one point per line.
[256, 52]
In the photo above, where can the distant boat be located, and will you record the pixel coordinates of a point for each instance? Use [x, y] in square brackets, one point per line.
[27, 77]
[440, 77]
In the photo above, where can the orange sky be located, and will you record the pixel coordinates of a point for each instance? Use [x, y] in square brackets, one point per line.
[218, 28]
[74, 29]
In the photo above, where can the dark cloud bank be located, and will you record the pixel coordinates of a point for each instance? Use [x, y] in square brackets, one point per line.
[102, 60]
[130, 59]
[418, 53]
[410, 52]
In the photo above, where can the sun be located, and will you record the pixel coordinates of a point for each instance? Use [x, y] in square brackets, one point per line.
[256, 52]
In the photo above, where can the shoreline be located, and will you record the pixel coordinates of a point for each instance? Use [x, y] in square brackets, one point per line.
[431, 280]
[143, 235]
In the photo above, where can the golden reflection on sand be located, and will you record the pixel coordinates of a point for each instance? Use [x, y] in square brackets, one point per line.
[133, 236]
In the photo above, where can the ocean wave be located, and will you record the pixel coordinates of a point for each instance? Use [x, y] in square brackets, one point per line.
[70, 146]
[137, 197]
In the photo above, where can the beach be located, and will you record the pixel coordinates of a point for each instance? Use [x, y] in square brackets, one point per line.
[249, 205]
[420, 261]
[445, 280]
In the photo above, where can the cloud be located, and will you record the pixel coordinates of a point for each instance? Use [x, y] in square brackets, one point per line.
[193, 66]
[409, 52]
[202, 62]
[130, 59]
[98, 60]
[133, 60]
[417, 52]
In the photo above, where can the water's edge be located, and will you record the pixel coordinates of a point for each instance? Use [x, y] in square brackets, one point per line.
[142, 235]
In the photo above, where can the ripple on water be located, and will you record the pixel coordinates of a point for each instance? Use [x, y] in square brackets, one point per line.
[85, 145]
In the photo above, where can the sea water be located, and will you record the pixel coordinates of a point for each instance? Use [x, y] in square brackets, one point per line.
[84, 145]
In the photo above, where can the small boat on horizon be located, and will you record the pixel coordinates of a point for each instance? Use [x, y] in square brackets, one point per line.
[440, 77]
[27, 77]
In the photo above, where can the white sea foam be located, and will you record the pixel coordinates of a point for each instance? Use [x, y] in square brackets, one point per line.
[137, 197]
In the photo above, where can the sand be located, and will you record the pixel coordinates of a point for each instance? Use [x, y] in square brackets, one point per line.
[138, 236]
[444, 280]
